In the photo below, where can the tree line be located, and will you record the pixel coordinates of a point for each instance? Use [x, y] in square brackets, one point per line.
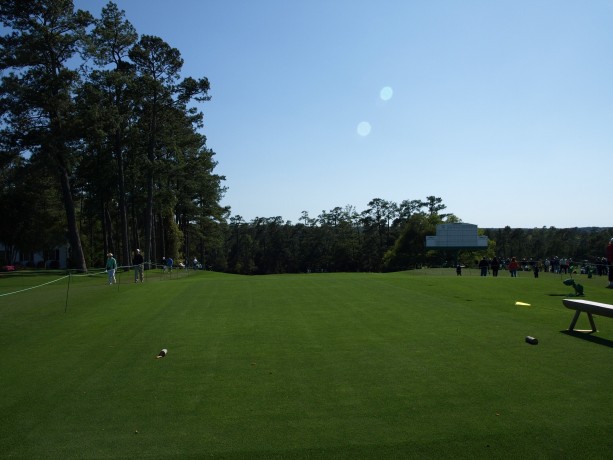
[378, 238]
[386, 236]
[101, 147]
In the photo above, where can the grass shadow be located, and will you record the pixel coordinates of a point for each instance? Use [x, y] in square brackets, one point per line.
[588, 336]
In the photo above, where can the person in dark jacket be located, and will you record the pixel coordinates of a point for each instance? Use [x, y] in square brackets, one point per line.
[495, 265]
[139, 266]
[610, 262]
[483, 265]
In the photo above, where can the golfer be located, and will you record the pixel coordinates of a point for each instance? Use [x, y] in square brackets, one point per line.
[111, 266]
[139, 266]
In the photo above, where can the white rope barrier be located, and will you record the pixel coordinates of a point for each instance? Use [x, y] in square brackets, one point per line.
[91, 273]
[34, 287]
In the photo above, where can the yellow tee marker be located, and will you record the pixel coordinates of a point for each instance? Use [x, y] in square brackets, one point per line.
[522, 304]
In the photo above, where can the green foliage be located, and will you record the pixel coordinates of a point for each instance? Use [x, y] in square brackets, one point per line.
[31, 209]
[343, 239]
[173, 238]
[577, 243]
[37, 91]
[409, 250]
[120, 137]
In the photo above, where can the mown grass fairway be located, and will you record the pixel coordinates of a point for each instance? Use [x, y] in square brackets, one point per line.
[405, 365]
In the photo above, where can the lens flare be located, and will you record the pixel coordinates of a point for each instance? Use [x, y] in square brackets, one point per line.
[364, 128]
[386, 93]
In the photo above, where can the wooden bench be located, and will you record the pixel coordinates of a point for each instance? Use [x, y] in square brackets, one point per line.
[589, 307]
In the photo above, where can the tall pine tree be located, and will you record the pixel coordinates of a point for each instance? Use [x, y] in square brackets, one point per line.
[36, 95]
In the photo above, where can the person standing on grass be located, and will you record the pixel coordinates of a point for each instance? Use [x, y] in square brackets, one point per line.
[513, 266]
[111, 266]
[610, 263]
[139, 266]
[483, 265]
[563, 265]
[169, 263]
[495, 266]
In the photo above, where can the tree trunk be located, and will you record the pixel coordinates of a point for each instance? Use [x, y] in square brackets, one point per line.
[149, 221]
[149, 216]
[123, 213]
[78, 258]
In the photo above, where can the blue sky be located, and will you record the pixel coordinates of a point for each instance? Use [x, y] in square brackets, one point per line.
[501, 108]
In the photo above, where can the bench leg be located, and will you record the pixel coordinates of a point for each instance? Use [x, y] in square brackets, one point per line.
[573, 323]
[589, 315]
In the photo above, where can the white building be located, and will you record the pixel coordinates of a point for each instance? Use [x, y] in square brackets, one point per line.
[456, 236]
[53, 258]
